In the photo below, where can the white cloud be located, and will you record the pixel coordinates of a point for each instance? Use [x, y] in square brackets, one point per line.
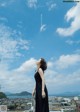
[60, 82]
[74, 14]
[11, 43]
[14, 82]
[49, 64]
[19, 79]
[43, 28]
[26, 66]
[66, 61]
[32, 3]
[4, 3]
[71, 42]
[51, 5]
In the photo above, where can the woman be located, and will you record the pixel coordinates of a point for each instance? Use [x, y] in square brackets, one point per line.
[40, 89]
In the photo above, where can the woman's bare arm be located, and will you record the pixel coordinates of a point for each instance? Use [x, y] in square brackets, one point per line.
[42, 76]
[34, 87]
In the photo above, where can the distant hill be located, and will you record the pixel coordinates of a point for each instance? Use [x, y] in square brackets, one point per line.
[2, 95]
[75, 93]
[8, 93]
[24, 93]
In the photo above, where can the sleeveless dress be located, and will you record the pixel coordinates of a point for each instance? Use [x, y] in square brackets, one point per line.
[41, 104]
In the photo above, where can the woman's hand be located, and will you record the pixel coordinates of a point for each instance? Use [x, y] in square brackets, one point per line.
[43, 94]
[33, 93]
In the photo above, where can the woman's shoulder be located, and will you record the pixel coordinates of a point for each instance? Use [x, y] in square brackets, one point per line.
[40, 69]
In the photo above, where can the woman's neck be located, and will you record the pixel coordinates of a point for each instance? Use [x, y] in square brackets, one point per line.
[38, 68]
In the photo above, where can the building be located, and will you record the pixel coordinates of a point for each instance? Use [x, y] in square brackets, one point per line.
[76, 98]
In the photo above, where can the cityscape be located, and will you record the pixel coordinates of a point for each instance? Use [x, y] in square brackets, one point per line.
[27, 104]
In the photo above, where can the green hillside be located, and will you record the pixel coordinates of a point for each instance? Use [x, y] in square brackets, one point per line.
[2, 95]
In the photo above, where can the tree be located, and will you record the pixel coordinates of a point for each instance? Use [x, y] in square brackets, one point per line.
[2, 95]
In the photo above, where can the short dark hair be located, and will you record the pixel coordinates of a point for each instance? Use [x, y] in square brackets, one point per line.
[43, 64]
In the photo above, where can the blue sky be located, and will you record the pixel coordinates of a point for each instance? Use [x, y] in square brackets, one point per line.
[30, 29]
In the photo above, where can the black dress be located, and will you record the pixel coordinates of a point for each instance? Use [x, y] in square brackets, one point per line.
[41, 104]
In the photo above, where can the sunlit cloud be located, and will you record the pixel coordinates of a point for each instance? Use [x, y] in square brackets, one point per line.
[74, 14]
[27, 66]
[65, 61]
